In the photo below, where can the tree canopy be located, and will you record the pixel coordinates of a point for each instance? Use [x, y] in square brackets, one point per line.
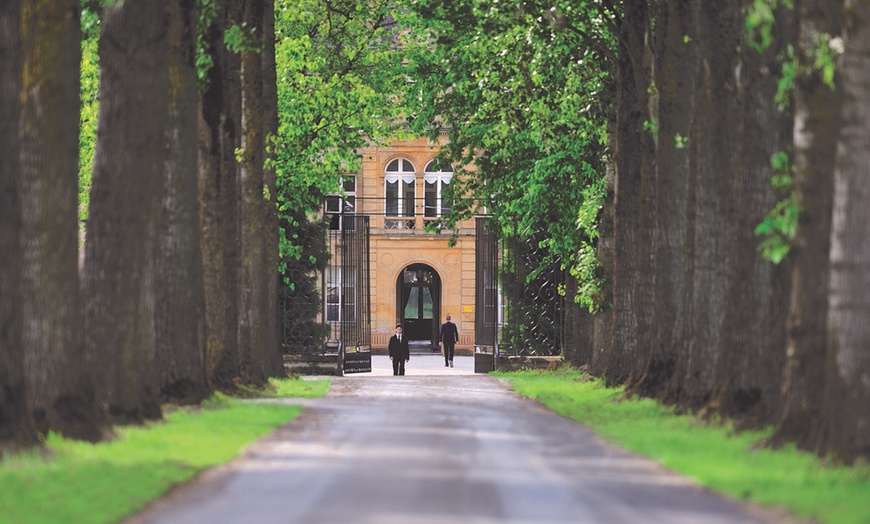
[525, 91]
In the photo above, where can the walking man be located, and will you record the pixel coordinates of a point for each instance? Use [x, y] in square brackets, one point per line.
[399, 351]
[449, 337]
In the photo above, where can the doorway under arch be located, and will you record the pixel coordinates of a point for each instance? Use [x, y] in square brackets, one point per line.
[418, 303]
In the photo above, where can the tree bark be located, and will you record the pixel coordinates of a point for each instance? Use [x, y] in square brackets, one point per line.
[633, 196]
[59, 381]
[16, 423]
[752, 361]
[219, 127]
[847, 396]
[180, 320]
[675, 80]
[602, 322]
[121, 244]
[274, 363]
[817, 110]
[256, 314]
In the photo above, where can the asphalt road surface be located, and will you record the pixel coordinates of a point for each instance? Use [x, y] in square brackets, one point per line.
[438, 445]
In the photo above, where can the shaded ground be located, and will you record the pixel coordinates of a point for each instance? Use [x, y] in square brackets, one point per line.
[438, 445]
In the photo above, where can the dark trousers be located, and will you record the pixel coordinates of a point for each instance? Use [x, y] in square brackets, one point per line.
[398, 366]
[448, 352]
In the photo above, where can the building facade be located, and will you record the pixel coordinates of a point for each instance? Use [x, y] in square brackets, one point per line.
[415, 278]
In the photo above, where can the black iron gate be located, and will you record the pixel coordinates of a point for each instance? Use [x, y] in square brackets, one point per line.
[534, 306]
[486, 297]
[347, 309]
[518, 307]
[300, 300]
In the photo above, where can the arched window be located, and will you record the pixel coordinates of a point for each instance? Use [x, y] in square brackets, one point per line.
[435, 178]
[400, 192]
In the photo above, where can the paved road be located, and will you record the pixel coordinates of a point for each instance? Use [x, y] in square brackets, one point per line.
[435, 446]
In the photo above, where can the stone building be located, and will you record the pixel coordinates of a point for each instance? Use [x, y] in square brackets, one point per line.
[414, 277]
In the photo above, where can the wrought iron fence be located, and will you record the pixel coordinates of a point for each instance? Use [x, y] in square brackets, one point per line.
[328, 307]
[346, 284]
[486, 296]
[534, 308]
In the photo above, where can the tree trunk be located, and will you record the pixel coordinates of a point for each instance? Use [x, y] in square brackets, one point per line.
[274, 353]
[180, 320]
[752, 361]
[255, 311]
[16, 423]
[817, 110]
[602, 322]
[709, 144]
[633, 196]
[60, 387]
[219, 126]
[121, 244]
[675, 79]
[847, 398]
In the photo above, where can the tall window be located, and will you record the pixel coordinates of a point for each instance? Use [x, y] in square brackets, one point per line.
[436, 177]
[340, 301]
[400, 192]
[338, 206]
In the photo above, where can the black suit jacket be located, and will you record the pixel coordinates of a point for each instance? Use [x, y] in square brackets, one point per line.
[449, 333]
[398, 349]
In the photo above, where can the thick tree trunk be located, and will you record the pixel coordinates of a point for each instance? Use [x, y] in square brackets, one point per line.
[121, 244]
[675, 79]
[60, 386]
[633, 278]
[256, 314]
[274, 364]
[602, 322]
[219, 126]
[847, 398]
[180, 317]
[710, 144]
[16, 423]
[817, 110]
[752, 361]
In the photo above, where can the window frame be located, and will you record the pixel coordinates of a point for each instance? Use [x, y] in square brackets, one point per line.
[439, 178]
[405, 180]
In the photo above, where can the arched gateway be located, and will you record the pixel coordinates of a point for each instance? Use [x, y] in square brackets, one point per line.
[418, 303]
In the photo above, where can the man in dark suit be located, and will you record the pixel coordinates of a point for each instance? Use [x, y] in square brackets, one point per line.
[399, 352]
[449, 337]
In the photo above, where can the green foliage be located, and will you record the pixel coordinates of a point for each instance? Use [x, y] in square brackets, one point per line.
[141, 464]
[338, 75]
[242, 39]
[716, 456]
[587, 269]
[824, 56]
[778, 227]
[206, 13]
[761, 21]
[525, 92]
[652, 127]
[91, 13]
[90, 88]
[785, 84]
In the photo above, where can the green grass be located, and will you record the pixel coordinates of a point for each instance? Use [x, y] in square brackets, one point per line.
[76, 482]
[730, 462]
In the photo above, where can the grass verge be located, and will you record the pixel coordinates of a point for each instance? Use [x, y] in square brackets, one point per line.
[77, 482]
[715, 456]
